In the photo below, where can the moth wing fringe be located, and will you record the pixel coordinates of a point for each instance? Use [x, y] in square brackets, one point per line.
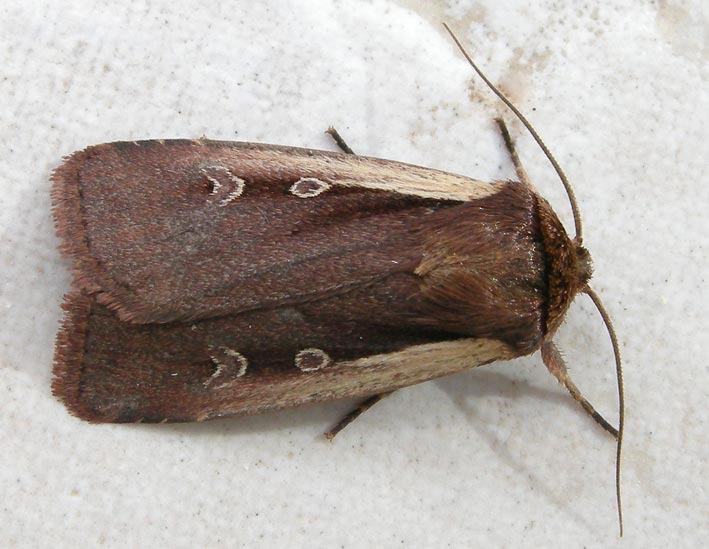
[69, 356]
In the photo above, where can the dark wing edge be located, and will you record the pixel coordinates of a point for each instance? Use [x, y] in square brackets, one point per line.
[69, 356]
[69, 218]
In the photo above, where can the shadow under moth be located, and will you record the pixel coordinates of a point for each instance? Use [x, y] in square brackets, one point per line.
[214, 278]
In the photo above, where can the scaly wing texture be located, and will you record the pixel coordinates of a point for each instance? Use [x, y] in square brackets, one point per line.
[176, 230]
[113, 371]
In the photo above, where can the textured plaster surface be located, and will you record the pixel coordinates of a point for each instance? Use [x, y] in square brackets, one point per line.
[495, 457]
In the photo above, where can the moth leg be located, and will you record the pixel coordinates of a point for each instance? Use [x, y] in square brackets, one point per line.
[521, 172]
[555, 364]
[338, 139]
[354, 414]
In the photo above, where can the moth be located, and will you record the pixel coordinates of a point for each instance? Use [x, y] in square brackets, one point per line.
[215, 278]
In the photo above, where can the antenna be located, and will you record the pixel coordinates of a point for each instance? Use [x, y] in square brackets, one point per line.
[621, 395]
[587, 289]
[569, 191]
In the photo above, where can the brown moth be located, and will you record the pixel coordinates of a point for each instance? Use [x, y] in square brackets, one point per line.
[200, 304]
[216, 278]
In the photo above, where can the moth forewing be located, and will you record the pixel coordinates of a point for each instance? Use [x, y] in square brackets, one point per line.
[108, 370]
[207, 209]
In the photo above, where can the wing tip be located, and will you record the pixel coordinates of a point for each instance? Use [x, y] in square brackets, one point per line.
[70, 228]
[69, 221]
[69, 357]
[68, 383]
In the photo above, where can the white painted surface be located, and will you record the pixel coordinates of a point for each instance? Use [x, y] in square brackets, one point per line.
[496, 457]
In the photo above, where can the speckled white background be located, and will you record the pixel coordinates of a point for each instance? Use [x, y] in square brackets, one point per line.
[499, 456]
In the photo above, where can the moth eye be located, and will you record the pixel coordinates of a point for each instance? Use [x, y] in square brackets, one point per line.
[229, 366]
[308, 187]
[222, 185]
[309, 360]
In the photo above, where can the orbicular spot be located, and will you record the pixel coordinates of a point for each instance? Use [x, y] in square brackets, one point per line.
[309, 360]
[222, 185]
[308, 187]
[229, 364]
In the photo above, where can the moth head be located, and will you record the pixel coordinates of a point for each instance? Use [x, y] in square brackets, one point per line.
[568, 267]
[584, 264]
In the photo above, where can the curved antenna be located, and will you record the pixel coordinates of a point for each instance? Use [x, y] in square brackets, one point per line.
[621, 395]
[535, 135]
